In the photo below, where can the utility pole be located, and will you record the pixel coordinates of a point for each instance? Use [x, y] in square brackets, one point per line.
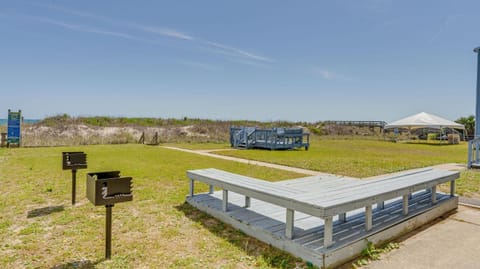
[477, 108]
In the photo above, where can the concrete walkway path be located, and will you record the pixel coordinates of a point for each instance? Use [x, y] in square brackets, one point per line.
[240, 160]
[453, 242]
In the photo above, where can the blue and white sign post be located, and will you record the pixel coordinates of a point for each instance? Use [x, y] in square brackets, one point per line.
[14, 128]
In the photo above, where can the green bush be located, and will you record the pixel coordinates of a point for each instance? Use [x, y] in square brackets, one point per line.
[315, 130]
[432, 136]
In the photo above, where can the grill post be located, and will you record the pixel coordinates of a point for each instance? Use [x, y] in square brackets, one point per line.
[108, 232]
[74, 185]
[73, 161]
[108, 188]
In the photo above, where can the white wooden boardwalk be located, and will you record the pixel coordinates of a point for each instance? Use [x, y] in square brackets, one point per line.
[267, 222]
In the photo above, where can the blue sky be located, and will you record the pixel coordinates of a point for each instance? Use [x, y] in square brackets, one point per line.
[260, 60]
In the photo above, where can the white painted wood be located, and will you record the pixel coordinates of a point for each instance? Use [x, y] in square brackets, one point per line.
[405, 204]
[328, 232]
[452, 188]
[191, 190]
[343, 204]
[434, 194]
[351, 193]
[346, 253]
[401, 181]
[211, 189]
[225, 200]
[343, 233]
[326, 201]
[289, 226]
[368, 217]
[406, 185]
[247, 202]
[342, 217]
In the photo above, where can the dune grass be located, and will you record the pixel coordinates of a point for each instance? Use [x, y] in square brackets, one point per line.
[39, 228]
[359, 157]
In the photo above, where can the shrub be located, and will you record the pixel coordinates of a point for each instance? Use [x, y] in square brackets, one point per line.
[432, 136]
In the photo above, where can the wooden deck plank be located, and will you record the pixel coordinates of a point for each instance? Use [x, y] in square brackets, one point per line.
[247, 182]
[309, 230]
[318, 200]
[375, 187]
[321, 179]
[356, 219]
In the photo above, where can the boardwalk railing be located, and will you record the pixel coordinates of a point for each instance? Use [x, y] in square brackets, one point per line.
[473, 152]
[380, 124]
[275, 138]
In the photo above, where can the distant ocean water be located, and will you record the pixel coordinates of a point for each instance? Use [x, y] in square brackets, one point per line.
[25, 121]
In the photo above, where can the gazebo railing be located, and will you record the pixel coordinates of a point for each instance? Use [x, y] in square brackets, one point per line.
[473, 152]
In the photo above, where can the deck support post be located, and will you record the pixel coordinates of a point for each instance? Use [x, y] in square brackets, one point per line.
[434, 194]
[368, 217]
[342, 217]
[289, 224]
[410, 196]
[192, 185]
[381, 205]
[452, 188]
[225, 201]
[405, 204]
[210, 190]
[247, 202]
[328, 232]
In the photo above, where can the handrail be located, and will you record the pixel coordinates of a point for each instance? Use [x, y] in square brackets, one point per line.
[473, 152]
[371, 123]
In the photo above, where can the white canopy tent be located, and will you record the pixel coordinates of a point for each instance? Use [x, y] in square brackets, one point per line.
[424, 120]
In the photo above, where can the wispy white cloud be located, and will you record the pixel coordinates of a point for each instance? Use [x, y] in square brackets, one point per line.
[446, 22]
[242, 56]
[162, 31]
[327, 74]
[75, 12]
[151, 29]
[236, 52]
[74, 27]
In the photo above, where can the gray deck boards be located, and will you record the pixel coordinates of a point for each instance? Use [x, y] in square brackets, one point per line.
[324, 196]
[266, 221]
[308, 229]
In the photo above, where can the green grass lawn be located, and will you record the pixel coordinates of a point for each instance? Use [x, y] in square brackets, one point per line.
[365, 157]
[357, 157]
[199, 146]
[39, 228]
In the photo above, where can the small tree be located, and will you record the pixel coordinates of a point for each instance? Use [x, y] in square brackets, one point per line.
[469, 123]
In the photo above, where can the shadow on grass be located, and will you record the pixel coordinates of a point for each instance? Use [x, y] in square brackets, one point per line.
[44, 211]
[83, 264]
[263, 253]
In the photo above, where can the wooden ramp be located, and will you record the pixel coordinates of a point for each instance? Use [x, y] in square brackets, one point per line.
[267, 222]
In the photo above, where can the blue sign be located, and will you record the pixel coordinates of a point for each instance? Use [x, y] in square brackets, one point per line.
[14, 124]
